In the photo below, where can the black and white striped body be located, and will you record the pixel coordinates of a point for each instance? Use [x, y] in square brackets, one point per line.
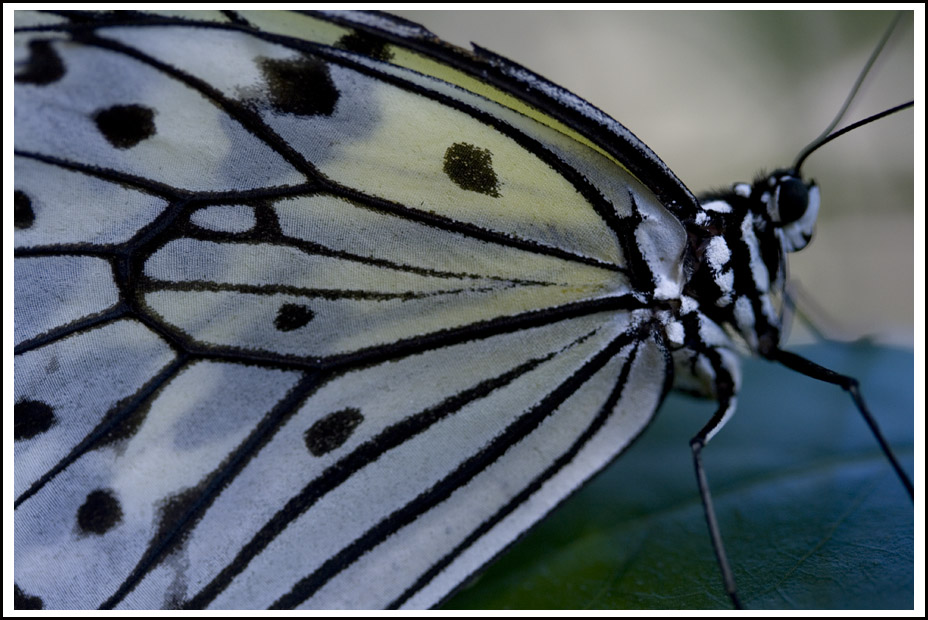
[739, 244]
[743, 260]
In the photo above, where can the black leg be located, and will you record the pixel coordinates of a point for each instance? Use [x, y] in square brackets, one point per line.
[697, 443]
[850, 385]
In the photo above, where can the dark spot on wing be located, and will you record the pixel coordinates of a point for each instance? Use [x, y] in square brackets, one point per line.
[124, 126]
[471, 168]
[99, 513]
[23, 215]
[21, 600]
[43, 67]
[300, 86]
[31, 418]
[366, 44]
[292, 316]
[332, 431]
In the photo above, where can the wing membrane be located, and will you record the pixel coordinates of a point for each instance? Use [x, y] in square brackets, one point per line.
[377, 319]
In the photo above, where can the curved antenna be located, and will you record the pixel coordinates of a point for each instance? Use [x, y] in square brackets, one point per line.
[861, 76]
[805, 152]
[820, 142]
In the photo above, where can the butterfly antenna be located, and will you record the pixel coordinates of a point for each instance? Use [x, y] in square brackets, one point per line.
[862, 76]
[824, 137]
[823, 141]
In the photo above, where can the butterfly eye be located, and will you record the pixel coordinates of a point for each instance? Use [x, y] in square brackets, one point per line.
[790, 201]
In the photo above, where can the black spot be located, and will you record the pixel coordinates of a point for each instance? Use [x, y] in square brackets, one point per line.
[23, 215]
[31, 418]
[292, 316]
[332, 431]
[21, 600]
[174, 511]
[43, 67]
[366, 44]
[471, 168]
[302, 87]
[99, 512]
[124, 126]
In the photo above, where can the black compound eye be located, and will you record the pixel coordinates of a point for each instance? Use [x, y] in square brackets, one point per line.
[792, 200]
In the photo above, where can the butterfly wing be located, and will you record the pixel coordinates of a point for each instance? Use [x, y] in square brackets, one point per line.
[298, 326]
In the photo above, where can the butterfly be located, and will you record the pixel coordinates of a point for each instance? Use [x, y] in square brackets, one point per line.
[287, 381]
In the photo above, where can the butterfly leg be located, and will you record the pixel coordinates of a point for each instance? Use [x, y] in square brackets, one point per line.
[709, 366]
[726, 398]
[850, 385]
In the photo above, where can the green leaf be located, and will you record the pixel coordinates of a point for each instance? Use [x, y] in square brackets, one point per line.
[811, 512]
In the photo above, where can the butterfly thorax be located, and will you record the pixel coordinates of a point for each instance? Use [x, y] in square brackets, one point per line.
[743, 237]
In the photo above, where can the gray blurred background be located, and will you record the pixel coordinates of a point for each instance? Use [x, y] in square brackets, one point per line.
[720, 96]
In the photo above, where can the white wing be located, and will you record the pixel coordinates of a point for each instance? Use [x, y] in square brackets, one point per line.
[279, 356]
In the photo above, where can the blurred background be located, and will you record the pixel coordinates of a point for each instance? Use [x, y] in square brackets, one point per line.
[721, 96]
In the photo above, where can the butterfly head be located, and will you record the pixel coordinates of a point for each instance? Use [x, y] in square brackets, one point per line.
[791, 206]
